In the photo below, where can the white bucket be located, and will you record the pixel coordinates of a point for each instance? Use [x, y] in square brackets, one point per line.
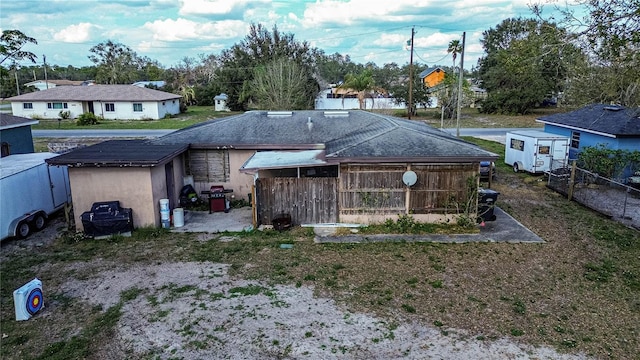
[164, 205]
[178, 217]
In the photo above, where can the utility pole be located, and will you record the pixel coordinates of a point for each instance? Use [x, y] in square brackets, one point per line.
[410, 105]
[15, 72]
[460, 76]
[44, 59]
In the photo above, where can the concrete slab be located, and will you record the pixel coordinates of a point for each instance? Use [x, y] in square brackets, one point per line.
[235, 220]
[504, 229]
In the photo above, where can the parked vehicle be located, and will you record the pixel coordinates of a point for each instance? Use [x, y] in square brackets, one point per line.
[536, 151]
[31, 191]
[486, 168]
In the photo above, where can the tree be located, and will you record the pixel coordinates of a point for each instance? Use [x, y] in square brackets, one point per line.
[282, 85]
[454, 49]
[259, 48]
[117, 63]
[362, 83]
[525, 61]
[420, 95]
[11, 43]
[610, 34]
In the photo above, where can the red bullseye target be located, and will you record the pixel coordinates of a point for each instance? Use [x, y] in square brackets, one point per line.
[34, 301]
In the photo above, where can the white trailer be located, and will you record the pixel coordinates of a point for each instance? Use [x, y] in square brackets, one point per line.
[535, 151]
[30, 191]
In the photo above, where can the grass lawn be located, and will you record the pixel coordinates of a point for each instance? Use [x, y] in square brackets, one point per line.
[578, 292]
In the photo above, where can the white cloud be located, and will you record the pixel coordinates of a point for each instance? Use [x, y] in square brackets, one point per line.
[333, 11]
[183, 29]
[434, 40]
[74, 33]
[215, 7]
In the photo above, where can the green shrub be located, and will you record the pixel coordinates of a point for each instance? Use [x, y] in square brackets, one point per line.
[87, 119]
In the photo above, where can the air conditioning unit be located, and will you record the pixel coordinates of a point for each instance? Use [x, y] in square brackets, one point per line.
[28, 299]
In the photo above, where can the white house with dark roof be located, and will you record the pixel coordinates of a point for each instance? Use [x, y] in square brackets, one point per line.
[106, 101]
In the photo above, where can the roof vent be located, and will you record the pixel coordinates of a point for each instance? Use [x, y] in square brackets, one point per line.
[336, 114]
[279, 113]
[613, 108]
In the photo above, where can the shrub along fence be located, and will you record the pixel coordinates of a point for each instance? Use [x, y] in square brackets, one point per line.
[608, 197]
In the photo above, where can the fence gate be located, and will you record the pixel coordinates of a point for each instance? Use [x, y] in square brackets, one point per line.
[307, 200]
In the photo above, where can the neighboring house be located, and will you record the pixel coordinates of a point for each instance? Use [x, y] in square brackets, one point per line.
[431, 77]
[220, 102]
[106, 101]
[317, 166]
[616, 127]
[479, 94]
[15, 134]
[136, 173]
[341, 99]
[154, 84]
[50, 84]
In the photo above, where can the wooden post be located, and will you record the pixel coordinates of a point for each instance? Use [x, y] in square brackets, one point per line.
[407, 195]
[572, 181]
[254, 208]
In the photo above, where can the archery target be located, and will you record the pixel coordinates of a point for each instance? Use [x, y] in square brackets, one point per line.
[34, 301]
[28, 299]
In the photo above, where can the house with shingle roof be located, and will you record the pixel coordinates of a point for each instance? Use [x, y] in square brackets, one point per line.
[127, 102]
[316, 166]
[15, 134]
[615, 127]
[50, 84]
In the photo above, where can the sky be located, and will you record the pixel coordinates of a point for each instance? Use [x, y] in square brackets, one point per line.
[170, 30]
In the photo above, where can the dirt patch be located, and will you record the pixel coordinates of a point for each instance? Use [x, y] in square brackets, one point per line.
[196, 310]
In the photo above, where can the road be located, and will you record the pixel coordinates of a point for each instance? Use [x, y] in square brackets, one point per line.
[495, 134]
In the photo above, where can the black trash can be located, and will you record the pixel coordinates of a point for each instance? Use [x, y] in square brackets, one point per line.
[487, 199]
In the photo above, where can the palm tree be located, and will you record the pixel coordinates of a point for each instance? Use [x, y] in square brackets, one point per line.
[454, 48]
[362, 83]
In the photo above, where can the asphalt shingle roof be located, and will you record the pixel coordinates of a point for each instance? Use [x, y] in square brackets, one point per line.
[428, 71]
[8, 121]
[344, 134]
[119, 153]
[608, 119]
[97, 93]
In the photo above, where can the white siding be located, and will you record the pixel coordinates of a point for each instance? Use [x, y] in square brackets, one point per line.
[123, 110]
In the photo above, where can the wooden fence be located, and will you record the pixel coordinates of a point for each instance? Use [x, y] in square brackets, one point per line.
[307, 200]
[367, 189]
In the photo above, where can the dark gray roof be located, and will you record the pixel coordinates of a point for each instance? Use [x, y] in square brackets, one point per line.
[355, 135]
[119, 153]
[600, 118]
[428, 71]
[8, 121]
[97, 93]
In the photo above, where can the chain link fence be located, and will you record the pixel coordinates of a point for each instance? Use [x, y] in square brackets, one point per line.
[619, 201]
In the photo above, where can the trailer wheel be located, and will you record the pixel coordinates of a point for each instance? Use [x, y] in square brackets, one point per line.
[23, 229]
[39, 222]
[515, 167]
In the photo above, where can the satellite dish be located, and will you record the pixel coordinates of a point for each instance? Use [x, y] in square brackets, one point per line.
[409, 178]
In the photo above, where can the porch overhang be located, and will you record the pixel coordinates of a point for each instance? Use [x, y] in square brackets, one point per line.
[283, 159]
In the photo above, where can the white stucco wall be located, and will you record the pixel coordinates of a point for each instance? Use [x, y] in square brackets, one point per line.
[123, 110]
[41, 111]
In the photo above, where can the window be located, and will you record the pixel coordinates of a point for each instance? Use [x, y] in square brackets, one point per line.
[575, 139]
[544, 150]
[57, 105]
[208, 165]
[109, 107]
[137, 107]
[27, 106]
[517, 144]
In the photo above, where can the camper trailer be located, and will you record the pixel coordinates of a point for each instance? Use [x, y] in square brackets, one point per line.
[31, 191]
[536, 151]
